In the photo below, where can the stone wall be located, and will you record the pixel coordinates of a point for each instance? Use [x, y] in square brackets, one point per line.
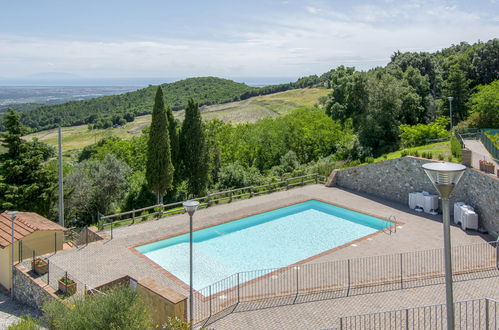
[395, 179]
[28, 290]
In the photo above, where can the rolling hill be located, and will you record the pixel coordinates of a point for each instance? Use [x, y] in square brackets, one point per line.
[249, 110]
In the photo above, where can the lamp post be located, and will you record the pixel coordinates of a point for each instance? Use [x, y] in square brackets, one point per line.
[450, 98]
[12, 218]
[445, 176]
[190, 207]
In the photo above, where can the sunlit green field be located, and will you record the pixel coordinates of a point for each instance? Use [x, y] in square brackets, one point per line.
[250, 110]
[440, 148]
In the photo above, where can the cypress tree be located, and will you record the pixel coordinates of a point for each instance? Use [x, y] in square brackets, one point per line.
[174, 144]
[193, 147]
[159, 167]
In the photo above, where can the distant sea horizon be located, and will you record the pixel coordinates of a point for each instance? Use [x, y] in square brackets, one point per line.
[131, 82]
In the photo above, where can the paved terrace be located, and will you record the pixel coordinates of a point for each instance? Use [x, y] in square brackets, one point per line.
[105, 261]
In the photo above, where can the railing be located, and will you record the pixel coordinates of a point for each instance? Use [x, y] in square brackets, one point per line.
[341, 278]
[488, 144]
[161, 210]
[391, 229]
[50, 273]
[469, 314]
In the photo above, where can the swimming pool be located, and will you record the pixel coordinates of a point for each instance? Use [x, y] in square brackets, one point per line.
[276, 238]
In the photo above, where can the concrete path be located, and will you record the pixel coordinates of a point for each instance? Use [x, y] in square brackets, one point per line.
[478, 152]
[10, 311]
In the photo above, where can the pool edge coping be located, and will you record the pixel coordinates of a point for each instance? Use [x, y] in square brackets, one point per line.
[202, 297]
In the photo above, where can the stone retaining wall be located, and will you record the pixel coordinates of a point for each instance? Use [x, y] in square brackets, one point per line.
[30, 291]
[394, 179]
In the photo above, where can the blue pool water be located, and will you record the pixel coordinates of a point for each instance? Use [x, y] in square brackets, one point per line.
[272, 239]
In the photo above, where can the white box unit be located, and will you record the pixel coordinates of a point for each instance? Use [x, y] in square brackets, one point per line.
[430, 203]
[423, 201]
[457, 212]
[413, 200]
[469, 219]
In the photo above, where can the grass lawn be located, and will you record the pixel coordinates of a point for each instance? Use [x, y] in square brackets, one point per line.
[439, 148]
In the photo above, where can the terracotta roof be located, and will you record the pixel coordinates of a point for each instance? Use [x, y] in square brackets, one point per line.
[25, 223]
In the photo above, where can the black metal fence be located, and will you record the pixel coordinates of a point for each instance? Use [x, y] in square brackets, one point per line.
[40, 267]
[342, 278]
[469, 314]
[488, 144]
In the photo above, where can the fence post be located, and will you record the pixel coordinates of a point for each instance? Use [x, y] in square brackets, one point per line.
[287, 184]
[497, 255]
[238, 293]
[230, 196]
[401, 272]
[111, 230]
[486, 314]
[407, 319]
[20, 252]
[348, 267]
[316, 178]
[302, 180]
[297, 283]
[210, 300]
[133, 216]
[251, 191]
[48, 271]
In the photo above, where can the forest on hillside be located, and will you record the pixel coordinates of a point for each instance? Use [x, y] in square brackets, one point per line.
[367, 114]
[106, 111]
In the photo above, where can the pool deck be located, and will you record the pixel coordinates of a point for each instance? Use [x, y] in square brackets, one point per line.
[104, 261]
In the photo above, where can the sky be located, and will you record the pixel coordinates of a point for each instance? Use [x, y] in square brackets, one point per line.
[257, 38]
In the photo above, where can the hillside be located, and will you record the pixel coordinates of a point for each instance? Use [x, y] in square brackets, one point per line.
[249, 110]
[107, 110]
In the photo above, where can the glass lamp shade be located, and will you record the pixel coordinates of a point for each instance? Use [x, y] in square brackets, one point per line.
[444, 176]
[190, 206]
[12, 213]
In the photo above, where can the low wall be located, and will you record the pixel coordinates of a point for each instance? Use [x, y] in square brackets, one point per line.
[394, 179]
[161, 301]
[30, 291]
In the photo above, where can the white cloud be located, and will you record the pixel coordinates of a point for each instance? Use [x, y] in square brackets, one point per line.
[312, 41]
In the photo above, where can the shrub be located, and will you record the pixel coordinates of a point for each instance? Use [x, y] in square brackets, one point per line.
[25, 323]
[440, 157]
[420, 134]
[174, 323]
[119, 308]
[494, 137]
[455, 147]
[369, 160]
[404, 153]
[449, 158]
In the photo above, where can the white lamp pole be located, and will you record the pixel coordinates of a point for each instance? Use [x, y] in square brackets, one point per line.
[190, 207]
[12, 218]
[445, 177]
[450, 98]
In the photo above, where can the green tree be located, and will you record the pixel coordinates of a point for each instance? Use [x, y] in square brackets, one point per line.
[174, 144]
[457, 86]
[485, 106]
[194, 150]
[26, 184]
[159, 168]
[95, 186]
